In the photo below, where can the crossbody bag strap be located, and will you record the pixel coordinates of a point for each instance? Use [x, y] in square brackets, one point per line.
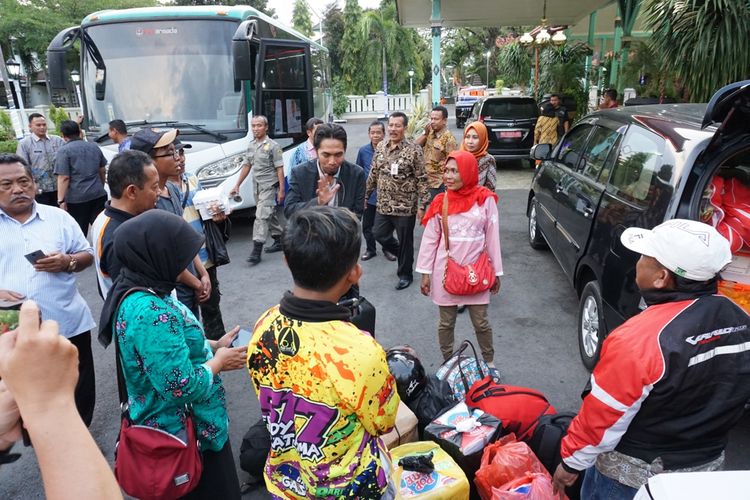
[121, 387]
[445, 224]
[187, 193]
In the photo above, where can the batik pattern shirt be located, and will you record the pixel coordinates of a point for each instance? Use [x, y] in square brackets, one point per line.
[436, 149]
[163, 352]
[397, 172]
[326, 395]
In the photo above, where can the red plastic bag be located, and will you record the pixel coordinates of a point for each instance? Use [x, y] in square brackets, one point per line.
[528, 487]
[504, 461]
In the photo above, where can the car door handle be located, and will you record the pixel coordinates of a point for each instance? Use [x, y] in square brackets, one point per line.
[588, 211]
[558, 187]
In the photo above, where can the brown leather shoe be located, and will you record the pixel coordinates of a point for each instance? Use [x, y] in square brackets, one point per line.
[368, 255]
[388, 255]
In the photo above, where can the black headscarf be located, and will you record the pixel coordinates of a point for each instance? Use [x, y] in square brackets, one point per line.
[154, 248]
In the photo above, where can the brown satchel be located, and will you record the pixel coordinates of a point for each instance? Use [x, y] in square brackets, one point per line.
[468, 279]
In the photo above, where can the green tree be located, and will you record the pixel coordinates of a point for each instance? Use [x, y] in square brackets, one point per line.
[514, 64]
[333, 26]
[33, 24]
[352, 43]
[390, 43]
[301, 18]
[701, 42]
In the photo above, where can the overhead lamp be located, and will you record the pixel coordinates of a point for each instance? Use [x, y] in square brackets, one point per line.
[559, 38]
[14, 67]
[526, 39]
[543, 37]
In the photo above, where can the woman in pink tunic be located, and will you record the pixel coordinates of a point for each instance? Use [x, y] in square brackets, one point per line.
[473, 227]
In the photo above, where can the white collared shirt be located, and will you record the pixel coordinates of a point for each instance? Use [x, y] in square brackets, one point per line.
[49, 229]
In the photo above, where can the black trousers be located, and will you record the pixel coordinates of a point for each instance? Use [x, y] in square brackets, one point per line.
[85, 213]
[403, 247]
[48, 198]
[213, 323]
[219, 478]
[85, 393]
[368, 221]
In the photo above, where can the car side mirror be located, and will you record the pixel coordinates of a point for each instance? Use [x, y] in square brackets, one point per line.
[541, 151]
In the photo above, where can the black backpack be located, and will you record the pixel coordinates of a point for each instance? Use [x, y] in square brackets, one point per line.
[254, 450]
[545, 441]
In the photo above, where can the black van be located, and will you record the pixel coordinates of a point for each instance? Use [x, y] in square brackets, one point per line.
[635, 166]
[510, 122]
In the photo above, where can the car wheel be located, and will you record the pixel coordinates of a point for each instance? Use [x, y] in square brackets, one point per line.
[536, 240]
[591, 328]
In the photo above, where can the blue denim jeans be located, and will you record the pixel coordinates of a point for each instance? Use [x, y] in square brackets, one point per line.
[597, 486]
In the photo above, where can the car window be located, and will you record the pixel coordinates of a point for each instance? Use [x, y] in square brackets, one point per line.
[597, 151]
[509, 109]
[571, 147]
[474, 112]
[639, 165]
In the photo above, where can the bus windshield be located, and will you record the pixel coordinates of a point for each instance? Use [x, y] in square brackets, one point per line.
[173, 70]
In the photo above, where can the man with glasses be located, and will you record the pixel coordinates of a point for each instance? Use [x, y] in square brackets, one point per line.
[194, 284]
[39, 150]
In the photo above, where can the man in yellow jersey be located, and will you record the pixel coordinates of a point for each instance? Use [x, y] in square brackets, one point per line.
[325, 391]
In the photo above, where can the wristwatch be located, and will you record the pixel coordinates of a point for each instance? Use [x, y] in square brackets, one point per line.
[60, 202]
[6, 457]
[73, 264]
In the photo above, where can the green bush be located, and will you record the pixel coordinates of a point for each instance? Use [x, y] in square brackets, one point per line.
[58, 115]
[6, 127]
[8, 146]
[340, 101]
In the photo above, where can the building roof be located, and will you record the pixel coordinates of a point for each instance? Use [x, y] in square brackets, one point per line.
[417, 13]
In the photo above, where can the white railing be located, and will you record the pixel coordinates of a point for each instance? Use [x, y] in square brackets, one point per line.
[374, 105]
[21, 118]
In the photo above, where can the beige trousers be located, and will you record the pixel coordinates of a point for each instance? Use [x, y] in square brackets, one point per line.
[447, 325]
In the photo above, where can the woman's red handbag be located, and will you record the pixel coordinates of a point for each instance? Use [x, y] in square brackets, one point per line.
[151, 463]
[468, 279]
[154, 464]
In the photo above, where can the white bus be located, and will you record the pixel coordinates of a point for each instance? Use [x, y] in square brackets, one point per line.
[203, 69]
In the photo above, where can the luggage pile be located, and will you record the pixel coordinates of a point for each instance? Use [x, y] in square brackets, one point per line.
[478, 438]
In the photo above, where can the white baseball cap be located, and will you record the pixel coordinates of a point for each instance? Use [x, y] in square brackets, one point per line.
[688, 248]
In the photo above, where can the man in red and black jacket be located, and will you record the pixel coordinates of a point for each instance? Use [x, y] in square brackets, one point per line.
[671, 381]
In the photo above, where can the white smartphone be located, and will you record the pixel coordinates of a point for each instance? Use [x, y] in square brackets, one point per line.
[242, 339]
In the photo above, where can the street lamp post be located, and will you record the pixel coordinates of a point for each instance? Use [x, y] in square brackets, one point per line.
[14, 70]
[15, 120]
[411, 87]
[489, 53]
[76, 77]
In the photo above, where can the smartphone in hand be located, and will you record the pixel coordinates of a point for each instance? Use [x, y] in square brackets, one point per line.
[242, 339]
[34, 256]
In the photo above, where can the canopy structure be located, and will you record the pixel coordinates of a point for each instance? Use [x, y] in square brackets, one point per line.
[437, 14]
[456, 13]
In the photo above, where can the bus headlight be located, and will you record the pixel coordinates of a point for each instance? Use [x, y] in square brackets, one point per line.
[222, 168]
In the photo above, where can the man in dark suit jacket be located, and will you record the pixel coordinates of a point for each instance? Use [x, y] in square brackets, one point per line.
[329, 179]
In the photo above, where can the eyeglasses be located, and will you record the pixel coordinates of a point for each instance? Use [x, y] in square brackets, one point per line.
[173, 153]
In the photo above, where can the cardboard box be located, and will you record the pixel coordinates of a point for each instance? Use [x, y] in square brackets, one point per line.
[405, 430]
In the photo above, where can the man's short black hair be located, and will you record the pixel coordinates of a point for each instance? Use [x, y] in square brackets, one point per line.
[327, 131]
[35, 115]
[69, 129]
[400, 114]
[555, 95]
[377, 123]
[612, 93]
[10, 158]
[321, 244]
[119, 126]
[125, 169]
[312, 122]
[443, 110]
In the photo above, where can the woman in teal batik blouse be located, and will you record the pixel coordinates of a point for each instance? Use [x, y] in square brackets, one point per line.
[167, 361]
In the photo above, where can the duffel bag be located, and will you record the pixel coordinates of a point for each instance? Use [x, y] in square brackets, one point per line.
[518, 408]
[462, 370]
